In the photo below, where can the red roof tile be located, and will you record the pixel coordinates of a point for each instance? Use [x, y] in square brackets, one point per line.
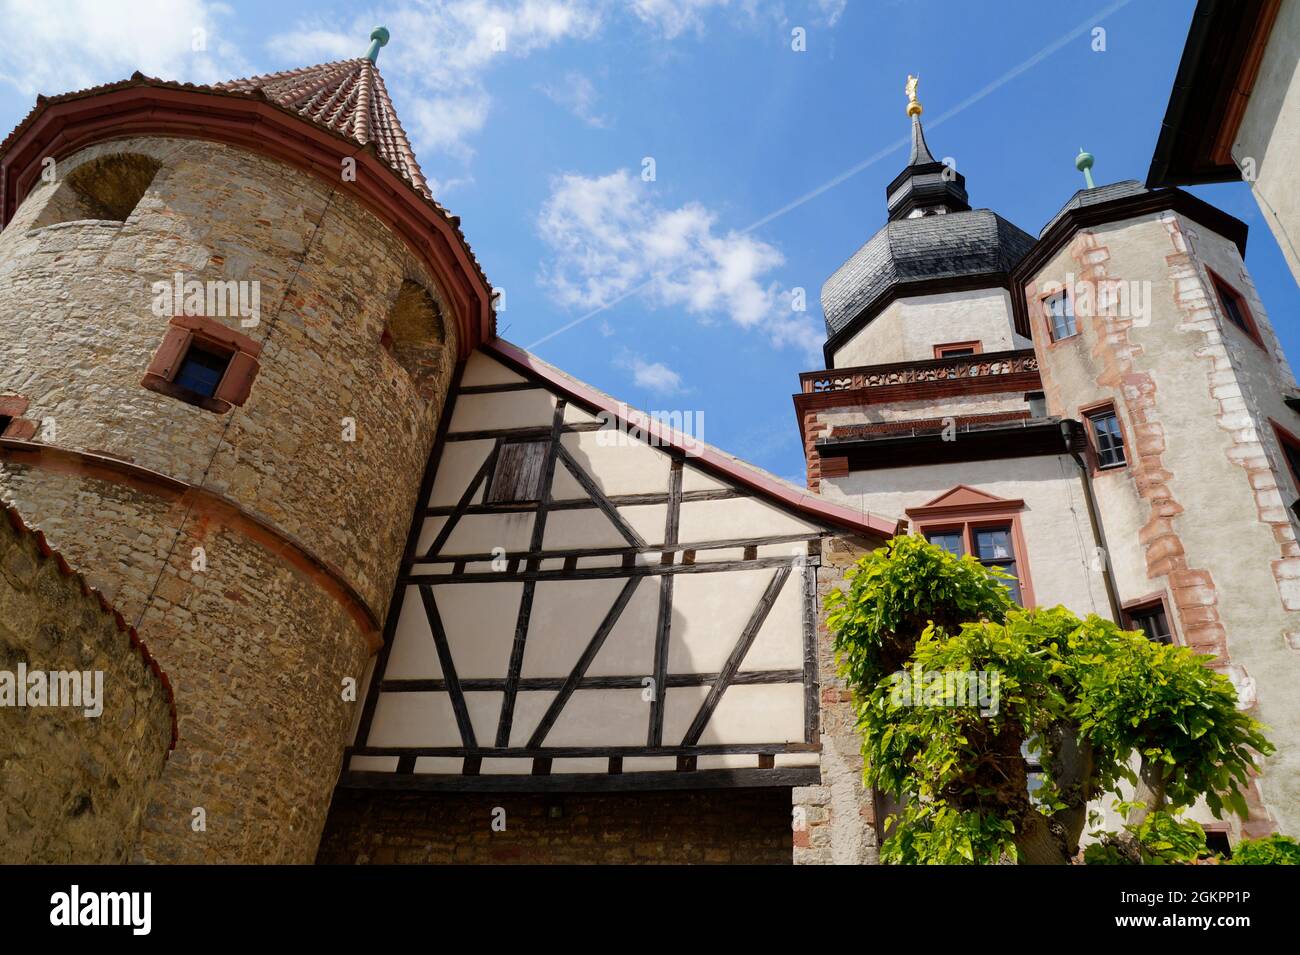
[347, 96]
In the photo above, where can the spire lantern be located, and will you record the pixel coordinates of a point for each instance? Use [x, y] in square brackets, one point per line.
[926, 186]
[378, 38]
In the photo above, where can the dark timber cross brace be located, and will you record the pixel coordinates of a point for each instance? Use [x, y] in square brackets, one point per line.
[502, 483]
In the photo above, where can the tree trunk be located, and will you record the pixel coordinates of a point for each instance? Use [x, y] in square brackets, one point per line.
[1038, 843]
[1072, 768]
[1150, 791]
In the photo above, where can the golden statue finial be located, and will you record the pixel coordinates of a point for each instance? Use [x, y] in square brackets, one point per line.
[913, 107]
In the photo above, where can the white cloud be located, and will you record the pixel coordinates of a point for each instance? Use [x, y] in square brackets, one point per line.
[652, 376]
[576, 93]
[439, 56]
[54, 48]
[830, 10]
[611, 239]
[674, 17]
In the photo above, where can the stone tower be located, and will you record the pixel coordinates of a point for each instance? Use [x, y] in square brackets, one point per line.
[1145, 321]
[230, 316]
[1102, 410]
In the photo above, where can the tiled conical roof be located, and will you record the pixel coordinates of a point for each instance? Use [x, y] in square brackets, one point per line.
[347, 96]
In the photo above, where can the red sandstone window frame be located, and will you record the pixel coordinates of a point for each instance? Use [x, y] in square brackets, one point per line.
[967, 518]
[15, 426]
[1287, 439]
[1097, 409]
[1225, 290]
[1046, 314]
[944, 350]
[1157, 601]
[185, 331]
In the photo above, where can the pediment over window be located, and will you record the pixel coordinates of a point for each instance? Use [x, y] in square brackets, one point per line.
[964, 499]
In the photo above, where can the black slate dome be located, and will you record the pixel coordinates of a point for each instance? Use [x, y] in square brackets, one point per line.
[953, 245]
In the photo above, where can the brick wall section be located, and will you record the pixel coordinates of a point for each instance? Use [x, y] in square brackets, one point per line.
[835, 821]
[73, 789]
[741, 826]
[813, 429]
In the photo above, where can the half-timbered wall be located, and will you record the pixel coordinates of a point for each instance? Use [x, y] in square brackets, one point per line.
[582, 609]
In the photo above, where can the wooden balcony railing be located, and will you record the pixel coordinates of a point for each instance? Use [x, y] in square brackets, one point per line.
[918, 372]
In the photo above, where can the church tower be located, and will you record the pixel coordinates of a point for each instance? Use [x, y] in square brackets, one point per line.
[1103, 411]
[231, 316]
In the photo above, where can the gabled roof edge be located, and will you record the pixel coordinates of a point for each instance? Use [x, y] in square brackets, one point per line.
[711, 459]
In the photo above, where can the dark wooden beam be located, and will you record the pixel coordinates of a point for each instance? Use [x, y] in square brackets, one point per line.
[480, 477]
[566, 552]
[600, 752]
[530, 583]
[787, 777]
[811, 688]
[601, 573]
[448, 668]
[580, 668]
[589, 485]
[737, 656]
[631, 682]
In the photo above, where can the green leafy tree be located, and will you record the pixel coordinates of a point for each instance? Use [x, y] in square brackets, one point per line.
[1270, 850]
[917, 628]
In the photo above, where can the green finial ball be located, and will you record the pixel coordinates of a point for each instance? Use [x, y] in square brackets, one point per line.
[378, 38]
[1083, 160]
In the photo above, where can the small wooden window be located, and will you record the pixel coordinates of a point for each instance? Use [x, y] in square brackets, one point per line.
[1291, 450]
[519, 472]
[1060, 315]
[1107, 438]
[958, 349]
[1234, 308]
[204, 363]
[1151, 619]
[992, 546]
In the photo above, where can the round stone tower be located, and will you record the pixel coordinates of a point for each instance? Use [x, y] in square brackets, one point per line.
[230, 317]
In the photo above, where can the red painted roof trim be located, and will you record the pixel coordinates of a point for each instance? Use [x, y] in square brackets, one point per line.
[711, 459]
[46, 551]
[62, 125]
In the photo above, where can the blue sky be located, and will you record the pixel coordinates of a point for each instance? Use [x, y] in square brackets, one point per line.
[534, 118]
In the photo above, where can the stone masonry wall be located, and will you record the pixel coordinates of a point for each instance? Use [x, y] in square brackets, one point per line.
[1195, 517]
[256, 655]
[834, 822]
[257, 648]
[73, 789]
[749, 826]
[78, 333]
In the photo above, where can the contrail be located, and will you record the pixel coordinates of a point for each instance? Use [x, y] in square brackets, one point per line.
[875, 157]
